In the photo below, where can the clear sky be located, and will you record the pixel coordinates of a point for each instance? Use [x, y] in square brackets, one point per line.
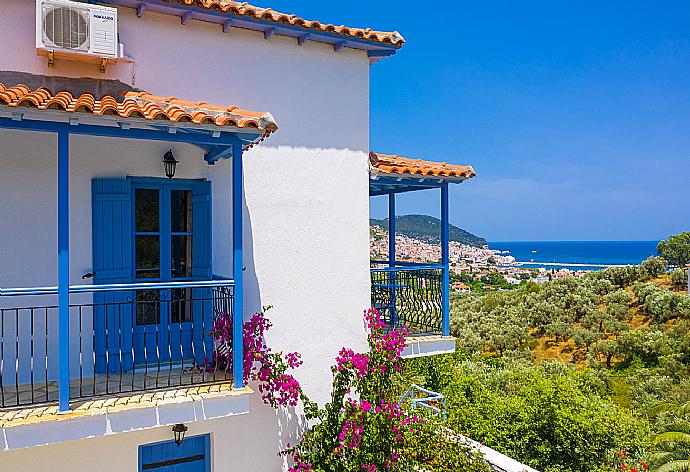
[575, 115]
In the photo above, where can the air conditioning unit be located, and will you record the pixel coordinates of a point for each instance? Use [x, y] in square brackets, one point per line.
[79, 28]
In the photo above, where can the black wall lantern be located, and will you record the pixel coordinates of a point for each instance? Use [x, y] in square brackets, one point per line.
[179, 431]
[170, 163]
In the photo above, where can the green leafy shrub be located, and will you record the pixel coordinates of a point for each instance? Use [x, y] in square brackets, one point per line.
[654, 266]
[551, 417]
[679, 278]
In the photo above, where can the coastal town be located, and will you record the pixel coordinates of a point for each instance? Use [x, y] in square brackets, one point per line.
[470, 266]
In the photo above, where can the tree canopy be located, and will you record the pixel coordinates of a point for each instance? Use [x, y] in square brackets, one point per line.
[676, 249]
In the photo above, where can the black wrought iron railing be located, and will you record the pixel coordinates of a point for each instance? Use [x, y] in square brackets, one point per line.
[409, 297]
[120, 341]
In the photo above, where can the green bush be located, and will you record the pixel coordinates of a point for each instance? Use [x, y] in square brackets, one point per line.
[654, 266]
[679, 278]
[550, 417]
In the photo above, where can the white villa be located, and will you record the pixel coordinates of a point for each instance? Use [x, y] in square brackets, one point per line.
[142, 195]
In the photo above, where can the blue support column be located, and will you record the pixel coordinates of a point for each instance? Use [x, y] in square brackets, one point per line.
[237, 312]
[445, 259]
[392, 256]
[63, 266]
[391, 229]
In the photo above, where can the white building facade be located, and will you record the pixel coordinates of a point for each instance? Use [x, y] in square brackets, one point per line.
[112, 271]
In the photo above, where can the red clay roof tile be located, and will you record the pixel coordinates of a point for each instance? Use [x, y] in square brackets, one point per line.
[244, 9]
[137, 104]
[390, 165]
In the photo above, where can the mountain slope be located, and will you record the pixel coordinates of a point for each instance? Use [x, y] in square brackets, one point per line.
[428, 228]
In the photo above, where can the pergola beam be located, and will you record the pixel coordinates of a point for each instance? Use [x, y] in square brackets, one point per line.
[197, 137]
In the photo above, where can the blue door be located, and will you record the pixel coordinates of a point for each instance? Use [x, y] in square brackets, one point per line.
[151, 230]
[193, 455]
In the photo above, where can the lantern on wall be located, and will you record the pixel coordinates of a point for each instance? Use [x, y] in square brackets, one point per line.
[170, 164]
[179, 431]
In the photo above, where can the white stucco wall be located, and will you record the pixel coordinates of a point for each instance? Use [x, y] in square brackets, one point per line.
[306, 192]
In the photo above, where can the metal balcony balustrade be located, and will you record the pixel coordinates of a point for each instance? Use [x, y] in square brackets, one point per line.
[409, 296]
[123, 338]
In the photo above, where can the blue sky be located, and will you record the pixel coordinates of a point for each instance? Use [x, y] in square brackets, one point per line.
[575, 115]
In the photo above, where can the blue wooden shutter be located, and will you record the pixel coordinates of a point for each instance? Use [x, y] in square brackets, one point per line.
[202, 269]
[112, 263]
[201, 201]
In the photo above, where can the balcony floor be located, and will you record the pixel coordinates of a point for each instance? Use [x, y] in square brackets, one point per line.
[430, 345]
[105, 385]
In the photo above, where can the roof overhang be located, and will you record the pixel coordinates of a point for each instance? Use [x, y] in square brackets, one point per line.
[389, 173]
[110, 108]
[376, 50]
[204, 136]
[217, 144]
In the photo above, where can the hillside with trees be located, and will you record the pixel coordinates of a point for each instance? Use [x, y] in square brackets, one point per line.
[428, 229]
[577, 374]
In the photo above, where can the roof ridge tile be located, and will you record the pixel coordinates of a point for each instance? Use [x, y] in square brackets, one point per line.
[245, 9]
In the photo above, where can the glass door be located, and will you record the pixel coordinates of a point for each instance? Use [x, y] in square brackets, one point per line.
[163, 242]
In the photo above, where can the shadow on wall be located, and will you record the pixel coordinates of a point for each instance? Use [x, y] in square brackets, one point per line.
[271, 430]
[252, 291]
[254, 441]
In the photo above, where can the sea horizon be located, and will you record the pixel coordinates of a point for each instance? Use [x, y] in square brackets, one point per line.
[578, 253]
[576, 241]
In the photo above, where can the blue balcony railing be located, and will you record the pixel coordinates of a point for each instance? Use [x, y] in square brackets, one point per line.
[409, 296]
[123, 338]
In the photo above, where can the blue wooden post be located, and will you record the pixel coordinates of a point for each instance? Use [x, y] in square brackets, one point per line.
[237, 320]
[63, 266]
[445, 259]
[391, 255]
[391, 229]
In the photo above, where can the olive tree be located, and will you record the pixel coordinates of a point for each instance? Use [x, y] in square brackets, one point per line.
[676, 250]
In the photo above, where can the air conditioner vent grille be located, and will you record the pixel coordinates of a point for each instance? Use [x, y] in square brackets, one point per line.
[66, 27]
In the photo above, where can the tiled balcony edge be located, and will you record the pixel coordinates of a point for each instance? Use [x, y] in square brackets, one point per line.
[39, 426]
[421, 346]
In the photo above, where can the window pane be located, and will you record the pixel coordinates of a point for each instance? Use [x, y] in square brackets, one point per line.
[148, 257]
[181, 257]
[148, 307]
[147, 213]
[181, 211]
[181, 305]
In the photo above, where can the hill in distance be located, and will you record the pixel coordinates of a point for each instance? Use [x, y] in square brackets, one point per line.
[428, 228]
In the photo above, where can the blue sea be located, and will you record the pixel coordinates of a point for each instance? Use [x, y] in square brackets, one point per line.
[578, 254]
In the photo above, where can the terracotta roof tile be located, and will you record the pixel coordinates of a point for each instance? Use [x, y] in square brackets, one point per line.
[396, 166]
[244, 9]
[134, 104]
